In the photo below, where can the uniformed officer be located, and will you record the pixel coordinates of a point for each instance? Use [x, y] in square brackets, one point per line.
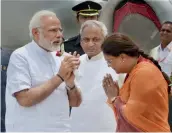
[87, 10]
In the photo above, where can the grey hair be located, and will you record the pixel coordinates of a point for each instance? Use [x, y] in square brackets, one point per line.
[94, 23]
[36, 19]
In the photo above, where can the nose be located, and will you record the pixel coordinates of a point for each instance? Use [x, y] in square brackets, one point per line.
[90, 43]
[59, 34]
[164, 32]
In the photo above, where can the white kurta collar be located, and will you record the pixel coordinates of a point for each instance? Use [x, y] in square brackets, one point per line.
[97, 57]
[169, 47]
[39, 49]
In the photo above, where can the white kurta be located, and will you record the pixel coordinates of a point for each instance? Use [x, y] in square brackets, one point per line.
[31, 66]
[164, 58]
[93, 115]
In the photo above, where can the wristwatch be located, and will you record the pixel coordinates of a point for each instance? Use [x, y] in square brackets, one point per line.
[113, 99]
[70, 88]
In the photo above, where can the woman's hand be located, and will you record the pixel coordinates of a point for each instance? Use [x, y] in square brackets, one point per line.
[111, 88]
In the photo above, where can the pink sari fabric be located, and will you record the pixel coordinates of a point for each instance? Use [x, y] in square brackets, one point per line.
[122, 124]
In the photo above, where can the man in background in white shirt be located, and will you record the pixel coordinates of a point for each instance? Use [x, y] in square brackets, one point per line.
[40, 87]
[93, 115]
[163, 53]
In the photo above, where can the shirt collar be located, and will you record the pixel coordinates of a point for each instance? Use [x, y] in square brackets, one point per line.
[169, 47]
[97, 57]
[38, 48]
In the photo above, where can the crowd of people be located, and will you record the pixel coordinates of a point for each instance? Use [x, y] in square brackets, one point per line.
[80, 89]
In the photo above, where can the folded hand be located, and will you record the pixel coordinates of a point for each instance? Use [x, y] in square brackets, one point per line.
[110, 87]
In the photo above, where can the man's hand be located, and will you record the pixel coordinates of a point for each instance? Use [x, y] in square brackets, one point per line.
[74, 97]
[70, 81]
[68, 65]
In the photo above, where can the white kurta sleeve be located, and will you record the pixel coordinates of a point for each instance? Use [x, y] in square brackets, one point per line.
[18, 75]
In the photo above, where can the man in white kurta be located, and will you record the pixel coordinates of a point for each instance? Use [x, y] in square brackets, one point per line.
[31, 66]
[93, 115]
[40, 86]
[162, 53]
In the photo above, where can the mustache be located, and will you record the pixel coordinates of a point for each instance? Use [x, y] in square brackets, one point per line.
[61, 41]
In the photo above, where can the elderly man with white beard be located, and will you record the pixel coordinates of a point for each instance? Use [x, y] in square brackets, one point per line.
[94, 114]
[40, 85]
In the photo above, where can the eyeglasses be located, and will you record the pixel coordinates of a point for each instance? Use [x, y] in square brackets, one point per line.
[163, 30]
[109, 62]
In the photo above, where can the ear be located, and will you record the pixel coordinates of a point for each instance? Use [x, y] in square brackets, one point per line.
[81, 44]
[123, 57]
[35, 33]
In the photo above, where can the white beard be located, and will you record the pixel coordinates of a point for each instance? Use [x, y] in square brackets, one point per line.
[48, 45]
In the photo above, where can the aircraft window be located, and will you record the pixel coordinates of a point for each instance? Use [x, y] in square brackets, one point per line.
[142, 30]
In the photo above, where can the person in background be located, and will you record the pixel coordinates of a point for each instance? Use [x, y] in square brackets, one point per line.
[87, 10]
[163, 54]
[93, 115]
[141, 105]
[40, 86]
[5, 55]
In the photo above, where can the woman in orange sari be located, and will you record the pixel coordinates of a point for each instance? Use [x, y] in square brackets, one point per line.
[141, 105]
